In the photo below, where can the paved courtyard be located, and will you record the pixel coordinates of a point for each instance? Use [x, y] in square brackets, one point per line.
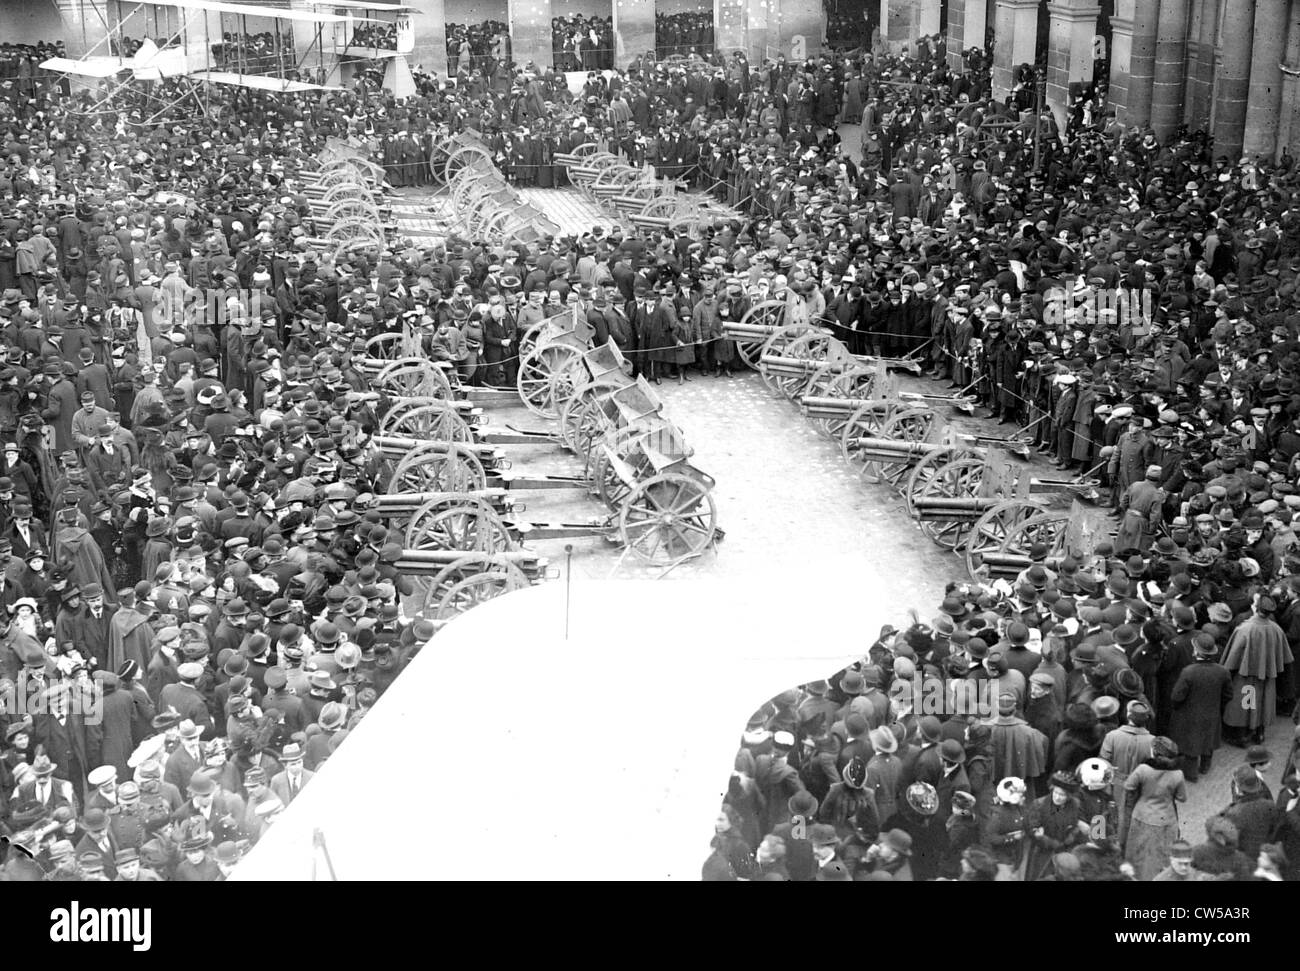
[787, 502]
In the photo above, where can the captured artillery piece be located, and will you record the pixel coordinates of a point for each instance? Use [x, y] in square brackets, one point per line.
[969, 499]
[753, 330]
[634, 193]
[347, 212]
[448, 480]
[799, 360]
[451, 494]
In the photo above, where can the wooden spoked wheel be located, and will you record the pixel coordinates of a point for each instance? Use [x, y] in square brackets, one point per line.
[792, 342]
[769, 313]
[928, 466]
[990, 532]
[867, 422]
[464, 157]
[438, 421]
[668, 518]
[528, 339]
[474, 590]
[439, 467]
[834, 381]
[958, 479]
[582, 418]
[463, 568]
[411, 377]
[1048, 528]
[386, 347]
[470, 526]
[905, 425]
[545, 370]
[626, 444]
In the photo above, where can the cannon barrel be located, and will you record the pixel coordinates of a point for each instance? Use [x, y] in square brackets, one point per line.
[396, 447]
[817, 407]
[430, 562]
[1010, 564]
[949, 509]
[399, 505]
[893, 450]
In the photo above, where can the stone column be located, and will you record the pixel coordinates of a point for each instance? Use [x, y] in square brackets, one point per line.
[1288, 128]
[976, 24]
[1199, 99]
[634, 30]
[530, 32]
[796, 19]
[757, 32]
[1069, 51]
[1171, 58]
[956, 33]
[1233, 81]
[931, 14]
[1264, 102]
[430, 25]
[1121, 52]
[1142, 61]
[1016, 42]
[729, 27]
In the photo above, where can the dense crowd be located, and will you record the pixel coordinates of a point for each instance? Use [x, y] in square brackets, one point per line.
[183, 492]
[480, 47]
[1041, 730]
[265, 52]
[689, 32]
[21, 74]
[581, 43]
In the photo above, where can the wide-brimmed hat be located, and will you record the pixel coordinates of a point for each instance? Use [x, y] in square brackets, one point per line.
[883, 740]
[852, 683]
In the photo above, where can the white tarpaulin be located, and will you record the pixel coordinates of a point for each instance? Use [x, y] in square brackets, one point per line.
[603, 756]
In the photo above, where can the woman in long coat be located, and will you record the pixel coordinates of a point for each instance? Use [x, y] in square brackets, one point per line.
[1257, 652]
[853, 109]
[1150, 824]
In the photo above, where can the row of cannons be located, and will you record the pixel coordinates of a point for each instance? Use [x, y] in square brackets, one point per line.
[447, 485]
[635, 194]
[968, 493]
[479, 203]
[347, 208]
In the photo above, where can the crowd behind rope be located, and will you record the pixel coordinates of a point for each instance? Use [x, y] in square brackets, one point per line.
[195, 493]
[1046, 729]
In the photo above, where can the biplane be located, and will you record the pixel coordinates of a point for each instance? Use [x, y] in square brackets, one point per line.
[195, 43]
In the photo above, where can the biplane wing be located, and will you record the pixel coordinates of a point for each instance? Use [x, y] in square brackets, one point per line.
[186, 47]
[360, 5]
[250, 10]
[260, 82]
[100, 66]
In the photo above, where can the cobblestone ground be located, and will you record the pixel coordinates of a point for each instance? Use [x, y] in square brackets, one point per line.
[786, 500]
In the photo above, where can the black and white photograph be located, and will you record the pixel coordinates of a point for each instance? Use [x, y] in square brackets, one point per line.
[643, 441]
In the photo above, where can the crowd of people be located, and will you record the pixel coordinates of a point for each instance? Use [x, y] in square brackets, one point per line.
[480, 47]
[21, 74]
[581, 43]
[688, 32]
[1041, 730]
[188, 452]
[262, 52]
